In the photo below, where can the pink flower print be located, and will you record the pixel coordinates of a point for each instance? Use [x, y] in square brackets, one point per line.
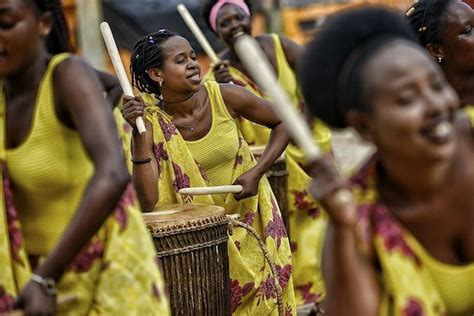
[238, 292]
[168, 129]
[202, 171]
[6, 301]
[120, 213]
[288, 310]
[181, 180]
[308, 296]
[304, 205]
[238, 161]
[237, 244]
[155, 291]
[413, 308]
[276, 227]
[293, 246]
[249, 217]
[160, 154]
[14, 232]
[284, 274]
[391, 233]
[267, 289]
[84, 260]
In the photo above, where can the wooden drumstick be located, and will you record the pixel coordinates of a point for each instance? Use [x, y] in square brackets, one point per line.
[61, 300]
[119, 69]
[258, 66]
[222, 189]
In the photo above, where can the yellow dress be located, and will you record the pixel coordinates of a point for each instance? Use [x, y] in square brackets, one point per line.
[306, 219]
[43, 180]
[219, 158]
[413, 283]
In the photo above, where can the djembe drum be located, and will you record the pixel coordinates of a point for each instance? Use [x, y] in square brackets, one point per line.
[277, 176]
[191, 243]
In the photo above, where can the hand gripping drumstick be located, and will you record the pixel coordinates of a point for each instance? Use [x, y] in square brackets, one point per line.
[119, 69]
[61, 300]
[259, 68]
[191, 23]
[222, 189]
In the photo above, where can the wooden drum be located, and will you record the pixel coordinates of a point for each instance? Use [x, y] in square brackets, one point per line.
[191, 243]
[278, 178]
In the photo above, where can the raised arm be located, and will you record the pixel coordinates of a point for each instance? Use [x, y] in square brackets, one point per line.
[242, 102]
[145, 166]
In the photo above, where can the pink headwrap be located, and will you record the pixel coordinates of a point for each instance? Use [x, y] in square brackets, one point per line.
[219, 4]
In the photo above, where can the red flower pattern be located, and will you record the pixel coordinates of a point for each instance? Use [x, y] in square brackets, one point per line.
[284, 274]
[14, 232]
[276, 227]
[304, 205]
[308, 296]
[120, 213]
[238, 292]
[237, 244]
[181, 179]
[293, 246]
[288, 310]
[202, 171]
[238, 161]
[160, 154]
[6, 301]
[84, 260]
[267, 289]
[249, 217]
[413, 308]
[168, 129]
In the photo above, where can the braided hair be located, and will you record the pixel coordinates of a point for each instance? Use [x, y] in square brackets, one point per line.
[58, 40]
[206, 10]
[427, 17]
[331, 73]
[147, 53]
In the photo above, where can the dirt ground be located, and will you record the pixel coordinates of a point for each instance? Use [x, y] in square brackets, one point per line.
[350, 150]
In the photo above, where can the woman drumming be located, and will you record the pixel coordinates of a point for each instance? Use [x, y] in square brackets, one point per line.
[444, 27]
[307, 222]
[69, 215]
[406, 245]
[193, 141]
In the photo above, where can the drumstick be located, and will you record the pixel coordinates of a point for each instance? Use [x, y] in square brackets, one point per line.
[259, 68]
[191, 23]
[222, 189]
[119, 69]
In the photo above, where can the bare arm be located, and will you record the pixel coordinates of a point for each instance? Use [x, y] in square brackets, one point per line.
[111, 86]
[144, 175]
[84, 106]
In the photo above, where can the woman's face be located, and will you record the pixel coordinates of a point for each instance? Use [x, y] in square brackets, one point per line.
[457, 36]
[232, 20]
[411, 105]
[21, 35]
[180, 71]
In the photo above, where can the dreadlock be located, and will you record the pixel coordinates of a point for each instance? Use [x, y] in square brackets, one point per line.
[147, 53]
[58, 40]
[427, 17]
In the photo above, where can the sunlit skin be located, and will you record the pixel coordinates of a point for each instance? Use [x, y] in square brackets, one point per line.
[230, 21]
[407, 95]
[23, 61]
[457, 49]
[186, 99]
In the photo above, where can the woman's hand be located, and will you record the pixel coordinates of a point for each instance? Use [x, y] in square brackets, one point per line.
[133, 108]
[330, 189]
[34, 301]
[221, 72]
[249, 181]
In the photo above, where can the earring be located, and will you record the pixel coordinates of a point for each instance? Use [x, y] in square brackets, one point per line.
[440, 59]
[160, 83]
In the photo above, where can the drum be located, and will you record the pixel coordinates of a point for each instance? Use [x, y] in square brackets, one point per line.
[278, 178]
[191, 243]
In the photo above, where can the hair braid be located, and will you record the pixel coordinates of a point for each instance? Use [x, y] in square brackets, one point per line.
[426, 17]
[147, 53]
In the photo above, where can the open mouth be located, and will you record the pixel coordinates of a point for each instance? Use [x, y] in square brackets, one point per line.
[237, 34]
[195, 77]
[439, 132]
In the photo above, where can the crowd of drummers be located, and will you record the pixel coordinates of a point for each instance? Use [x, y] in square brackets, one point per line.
[85, 195]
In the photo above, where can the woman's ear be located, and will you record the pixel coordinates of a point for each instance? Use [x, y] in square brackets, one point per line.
[436, 51]
[155, 75]
[360, 121]
[46, 23]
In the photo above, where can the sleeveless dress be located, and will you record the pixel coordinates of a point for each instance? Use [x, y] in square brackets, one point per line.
[219, 158]
[43, 180]
[307, 220]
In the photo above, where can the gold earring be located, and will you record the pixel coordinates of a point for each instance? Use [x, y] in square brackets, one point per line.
[440, 59]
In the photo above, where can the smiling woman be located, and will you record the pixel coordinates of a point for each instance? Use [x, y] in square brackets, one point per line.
[194, 141]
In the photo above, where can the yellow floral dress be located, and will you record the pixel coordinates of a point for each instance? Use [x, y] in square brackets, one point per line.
[413, 283]
[307, 221]
[116, 266]
[252, 287]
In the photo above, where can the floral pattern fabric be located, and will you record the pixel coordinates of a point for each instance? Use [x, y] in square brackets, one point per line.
[251, 284]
